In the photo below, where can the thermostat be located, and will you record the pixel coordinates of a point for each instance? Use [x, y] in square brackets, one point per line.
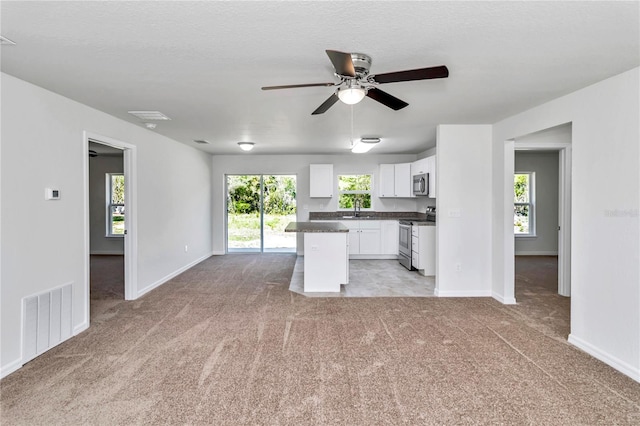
[51, 194]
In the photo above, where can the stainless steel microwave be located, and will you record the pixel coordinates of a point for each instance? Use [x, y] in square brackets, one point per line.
[421, 184]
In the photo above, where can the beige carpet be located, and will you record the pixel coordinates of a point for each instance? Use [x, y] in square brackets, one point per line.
[226, 343]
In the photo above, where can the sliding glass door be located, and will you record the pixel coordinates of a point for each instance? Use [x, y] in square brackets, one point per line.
[259, 207]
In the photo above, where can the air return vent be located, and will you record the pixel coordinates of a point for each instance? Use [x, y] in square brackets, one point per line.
[149, 115]
[46, 320]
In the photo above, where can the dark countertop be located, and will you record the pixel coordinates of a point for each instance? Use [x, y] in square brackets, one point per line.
[370, 215]
[315, 227]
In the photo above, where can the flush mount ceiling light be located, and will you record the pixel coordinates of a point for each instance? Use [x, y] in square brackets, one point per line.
[149, 115]
[352, 94]
[246, 146]
[364, 145]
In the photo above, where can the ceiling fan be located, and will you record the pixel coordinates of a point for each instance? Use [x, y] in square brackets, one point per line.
[355, 81]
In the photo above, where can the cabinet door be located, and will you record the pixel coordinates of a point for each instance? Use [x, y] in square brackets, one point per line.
[386, 181]
[370, 237]
[321, 180]
[389, 236]
[428, 249]
[431, 169]
[403, 180]
[370, 241]
[354, 236]
[419, 167]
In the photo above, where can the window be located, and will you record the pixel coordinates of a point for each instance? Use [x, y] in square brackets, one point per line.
[115, 205]
[352, 189]
[523, 206]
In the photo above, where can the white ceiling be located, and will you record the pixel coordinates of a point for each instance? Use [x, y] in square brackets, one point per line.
[203, 63]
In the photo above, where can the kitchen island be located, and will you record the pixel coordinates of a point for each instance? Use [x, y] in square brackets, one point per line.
[326, 255]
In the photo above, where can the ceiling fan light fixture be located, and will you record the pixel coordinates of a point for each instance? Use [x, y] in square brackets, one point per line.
[351, 95]
[246, 146]
[364, 145]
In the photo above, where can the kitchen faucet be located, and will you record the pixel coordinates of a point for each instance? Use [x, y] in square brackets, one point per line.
[356, 207]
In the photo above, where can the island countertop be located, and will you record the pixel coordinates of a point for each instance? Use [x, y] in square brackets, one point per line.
[316, 227]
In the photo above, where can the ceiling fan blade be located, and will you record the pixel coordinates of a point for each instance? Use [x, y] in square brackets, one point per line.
[342, 63]
[326, 105]
[295, 86]
[410, 75]
[386, 99]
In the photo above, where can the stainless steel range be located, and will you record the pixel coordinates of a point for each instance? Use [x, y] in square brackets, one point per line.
[404, 244]
[404, 238]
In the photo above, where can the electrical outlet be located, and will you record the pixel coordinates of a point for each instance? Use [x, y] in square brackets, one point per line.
[186, 248]
[458, 267]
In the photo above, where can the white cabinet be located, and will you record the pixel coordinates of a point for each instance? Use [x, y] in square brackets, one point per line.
[423, 247]
[371, 239]
[389, 237]
[418, 167]
[364, 236]
[395, 180]
[321, 180]
[426, 165]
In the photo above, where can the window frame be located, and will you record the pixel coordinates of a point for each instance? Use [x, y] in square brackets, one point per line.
[109, 206]
[531, 204]
[365, 192]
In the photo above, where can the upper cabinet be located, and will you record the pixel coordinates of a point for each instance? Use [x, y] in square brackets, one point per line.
[321, 180]
[419, 167]
[395, 180]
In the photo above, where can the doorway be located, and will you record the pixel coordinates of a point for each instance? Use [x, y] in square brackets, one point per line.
[259, 207]
[557, 140]
[124, 213]
[107, 212]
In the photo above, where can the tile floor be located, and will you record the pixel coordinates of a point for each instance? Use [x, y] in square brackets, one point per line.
[372, 278]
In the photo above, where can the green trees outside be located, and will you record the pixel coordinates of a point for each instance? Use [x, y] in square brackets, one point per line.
[279, 194]
[243, 210]
[521, 187]
[352, 188]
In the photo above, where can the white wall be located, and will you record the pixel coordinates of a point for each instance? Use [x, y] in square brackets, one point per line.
[464, 189]
[545, 166]
[299, 165]
[98, 167]
[605, 288]
[43, 242]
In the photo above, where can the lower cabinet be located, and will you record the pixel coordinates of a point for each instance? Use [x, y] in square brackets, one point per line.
[423, 247]
[372, 239]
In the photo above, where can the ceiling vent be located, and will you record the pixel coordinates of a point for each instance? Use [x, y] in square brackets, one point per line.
[149, 115]
[202, 141]
[4, 40]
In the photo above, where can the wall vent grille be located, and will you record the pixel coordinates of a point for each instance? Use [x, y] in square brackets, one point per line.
[46, 321]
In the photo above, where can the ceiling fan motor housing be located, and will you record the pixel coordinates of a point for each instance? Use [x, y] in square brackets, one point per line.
[361, 64]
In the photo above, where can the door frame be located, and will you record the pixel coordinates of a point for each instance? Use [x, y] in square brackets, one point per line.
[226, 209]
[130, 220]
[564, 206]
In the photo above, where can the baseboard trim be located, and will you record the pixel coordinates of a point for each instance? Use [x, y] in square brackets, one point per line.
[80, 328]
[173, 274]
[503, 300]
[536, 253]
[612, 361]
[218, 253]
[463, 293]
[11, 367]
[107, 252]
